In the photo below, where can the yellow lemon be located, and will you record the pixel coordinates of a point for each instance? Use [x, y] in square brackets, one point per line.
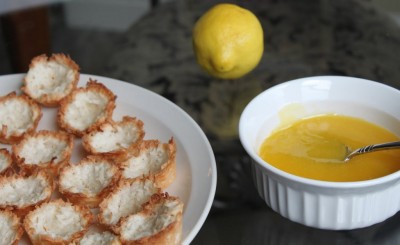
[228, 41]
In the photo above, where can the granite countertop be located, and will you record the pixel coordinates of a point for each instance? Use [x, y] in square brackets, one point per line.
[302, 38]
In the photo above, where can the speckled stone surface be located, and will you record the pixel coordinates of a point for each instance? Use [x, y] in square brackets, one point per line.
[302, 38]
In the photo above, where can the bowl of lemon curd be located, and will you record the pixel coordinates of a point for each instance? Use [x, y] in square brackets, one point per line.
[297, 134]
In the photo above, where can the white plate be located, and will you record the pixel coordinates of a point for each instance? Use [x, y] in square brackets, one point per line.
[196, 169]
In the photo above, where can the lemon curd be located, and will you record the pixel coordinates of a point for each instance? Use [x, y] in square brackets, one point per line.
[315, 147]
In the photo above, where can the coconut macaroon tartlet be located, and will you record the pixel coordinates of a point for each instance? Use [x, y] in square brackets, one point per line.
[98, 238]
[5, 161]
[10, 228]
[154, 159]
[89, 181]
[115, 139]
[57, 222]
[86, 108]
[21, 193]
[126, 199]
[160, 222]
[50, 79]
[46, 150]
[18, 115]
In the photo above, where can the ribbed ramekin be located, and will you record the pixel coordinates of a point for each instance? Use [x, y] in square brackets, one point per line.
[323, 204]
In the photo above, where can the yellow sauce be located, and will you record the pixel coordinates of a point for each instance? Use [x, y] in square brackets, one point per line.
[315, 147]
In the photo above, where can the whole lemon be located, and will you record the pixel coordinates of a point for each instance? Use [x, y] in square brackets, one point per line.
[228, 41]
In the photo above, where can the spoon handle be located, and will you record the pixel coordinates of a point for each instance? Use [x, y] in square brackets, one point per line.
[372, 148]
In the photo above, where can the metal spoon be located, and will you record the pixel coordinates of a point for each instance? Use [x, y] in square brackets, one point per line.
[372, 148]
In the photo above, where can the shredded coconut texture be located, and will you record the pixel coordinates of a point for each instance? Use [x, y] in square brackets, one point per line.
[49, 78]
[7, 230]
[85, 109]
[4, 162]
[148, 161]
[38, 150]
[142, 225]
[17, 115]
[128, 200]
[87, 178]
[57, 221]
[103, 238]
[23, 191]
[111, 139]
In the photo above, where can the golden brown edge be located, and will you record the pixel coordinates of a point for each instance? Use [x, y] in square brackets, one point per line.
[82, 198]
[166, 236]
[167, 173]
[121, 153]
[90, 85]
[116, 240]
[45, 239]
[49, 99]
[17, 226]
[21, 211]
[51, 167]
[122, 183]
[9, 162]
[14, 138]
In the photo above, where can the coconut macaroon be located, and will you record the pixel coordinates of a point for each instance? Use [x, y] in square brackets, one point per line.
[21, 193]
[86, 108]
[115, 139]
[10, 228]
[98, 238]
[57, 222]
[5, 161]
[47, 150]
[89, 181]
[160, 222]
[18, 115]
[154, 159]
[126, 199]
[50, 79]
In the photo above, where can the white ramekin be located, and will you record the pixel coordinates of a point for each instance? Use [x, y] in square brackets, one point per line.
[323, 204]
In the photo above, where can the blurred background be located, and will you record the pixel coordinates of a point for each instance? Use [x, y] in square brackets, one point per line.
[99, 22]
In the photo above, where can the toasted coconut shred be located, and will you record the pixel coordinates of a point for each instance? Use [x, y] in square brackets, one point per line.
[5, 160]
[88, 177]
[50, 79]
[126, 200]
[85, 110]
[99, 238]
[115, 136]
[24, 191]
[57, 220]
[9, 227]
[18, 114]
[157, 214]
[44, 147]
[86, 107]
[153, 155]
